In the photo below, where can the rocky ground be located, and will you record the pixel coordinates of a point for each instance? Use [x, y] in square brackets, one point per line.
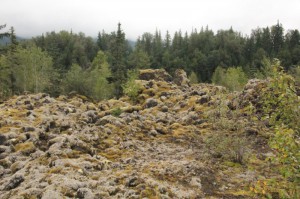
[176, 141]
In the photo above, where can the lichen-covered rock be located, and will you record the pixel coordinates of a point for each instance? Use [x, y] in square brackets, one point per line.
[160, 147]
[180, 78]
[154, 74]
[151, 102]
[14, 182]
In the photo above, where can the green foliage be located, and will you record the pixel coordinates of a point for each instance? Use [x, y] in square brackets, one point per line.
[91, 82]
[295, 72]
[4, 78]
[131, 88]
[193, 78]
[265, 70]
[228, 141]
[116, 112]
[100, 72]
[76, 80]
[27, 69]
[232, 78]
[67, 48]
[118, 61]
[280, 102]
[286, 143]
[281, 108]
[229, 147]
[139, 59]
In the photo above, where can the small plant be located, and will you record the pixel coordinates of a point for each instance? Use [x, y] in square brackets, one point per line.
[229, 147]
[131, 88]
[116, 112]
[232, 78]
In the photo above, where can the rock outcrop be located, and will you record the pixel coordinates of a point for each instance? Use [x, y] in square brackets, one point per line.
[68, 147]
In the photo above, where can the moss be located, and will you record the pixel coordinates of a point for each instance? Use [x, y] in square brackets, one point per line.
[5, 163]
[112, 154]
[149, 193]
[55, 170]
[232, 164]
[25, 148]
[73, 154]
[28, 196]
[67, 164]
[95, 177]
[5, 129]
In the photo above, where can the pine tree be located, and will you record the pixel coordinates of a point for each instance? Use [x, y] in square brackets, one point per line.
[13, 39]
[277, 38]
[118, 52]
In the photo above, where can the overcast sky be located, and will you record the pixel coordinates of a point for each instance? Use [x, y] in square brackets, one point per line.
[34, 17]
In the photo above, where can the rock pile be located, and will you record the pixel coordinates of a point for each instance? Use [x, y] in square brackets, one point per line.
[69, 147]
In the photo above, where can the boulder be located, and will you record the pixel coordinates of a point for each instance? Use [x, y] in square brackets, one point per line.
[151, 102]
[155, 74]
[180, 78]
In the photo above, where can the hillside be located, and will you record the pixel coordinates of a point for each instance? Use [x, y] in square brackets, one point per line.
[177, 141]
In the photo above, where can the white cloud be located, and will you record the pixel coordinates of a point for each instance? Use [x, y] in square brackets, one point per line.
[33, 17]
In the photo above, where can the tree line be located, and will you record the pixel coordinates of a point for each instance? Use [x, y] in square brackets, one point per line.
[59, 63]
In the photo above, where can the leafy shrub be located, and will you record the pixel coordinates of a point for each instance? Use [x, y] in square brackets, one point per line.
[193, 78]
[229, 147]
[281, 107]
[116, 112]
[131, 88]
[232, 78]
[228, 142]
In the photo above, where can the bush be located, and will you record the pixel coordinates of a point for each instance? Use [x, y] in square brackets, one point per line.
[116, 112]
[232, 78]
[280, 105]
[131, 88]
[229, 147]
[193, 78]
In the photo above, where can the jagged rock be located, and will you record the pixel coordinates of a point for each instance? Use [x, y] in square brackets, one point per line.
[14, 182]
[164, 109]
[28, 128]
[180, 78]
[203, 99]
[2, 140]
[85, 193]
[17, 166]
[157, 75]
[90, 116]
[71, 147]
[151, 102]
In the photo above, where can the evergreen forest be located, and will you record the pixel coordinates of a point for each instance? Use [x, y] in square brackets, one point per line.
[63, 62]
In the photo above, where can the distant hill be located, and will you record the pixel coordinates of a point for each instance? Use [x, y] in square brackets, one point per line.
[132, 43]
[6, 41]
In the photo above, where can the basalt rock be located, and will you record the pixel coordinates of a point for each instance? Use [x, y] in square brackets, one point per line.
[180, 78]
[158, 147]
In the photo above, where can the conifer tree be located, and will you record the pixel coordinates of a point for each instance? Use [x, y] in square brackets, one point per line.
[118, 67]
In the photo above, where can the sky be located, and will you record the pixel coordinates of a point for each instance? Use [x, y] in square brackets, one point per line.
[34, 17]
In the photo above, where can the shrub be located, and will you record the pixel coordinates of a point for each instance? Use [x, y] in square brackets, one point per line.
[193, 78]
[131, 88]
[280, 105]
[232, 78]
[116, 112]
[229, 147]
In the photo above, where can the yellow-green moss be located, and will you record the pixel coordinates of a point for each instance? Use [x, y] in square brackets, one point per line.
[55, 170]
[25, 148]
[149, 193]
